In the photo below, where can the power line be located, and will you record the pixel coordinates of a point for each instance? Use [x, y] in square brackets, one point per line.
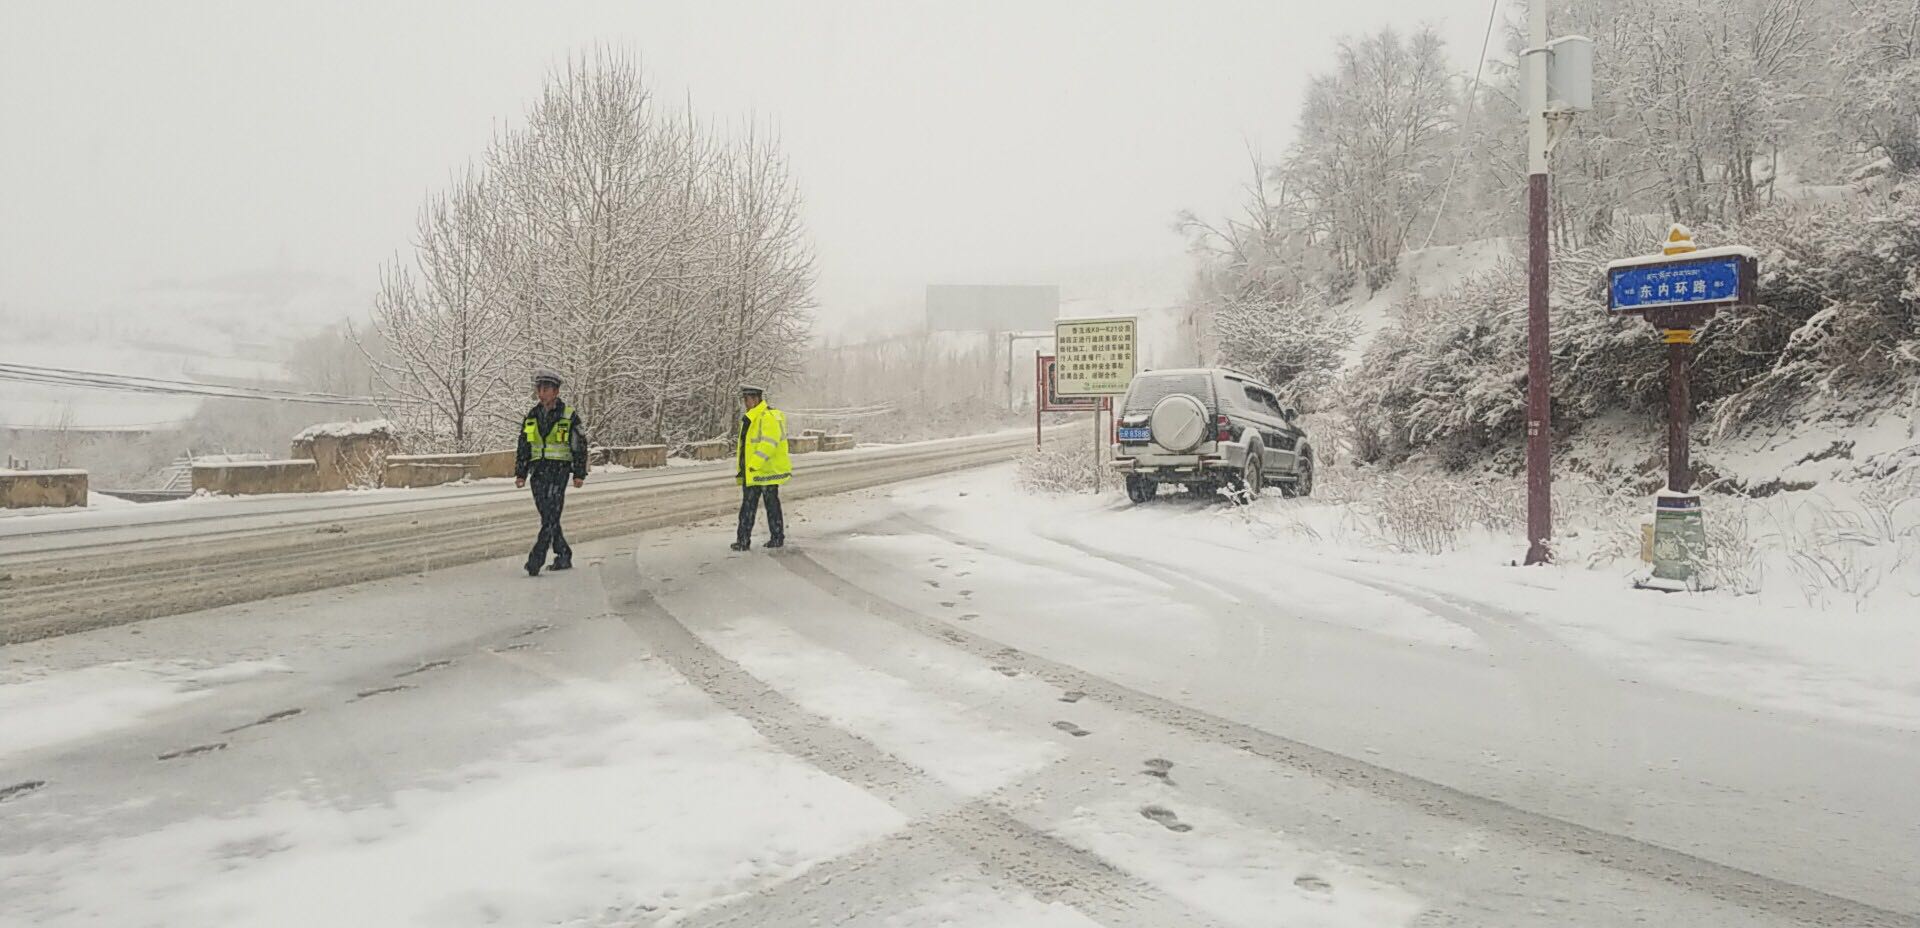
[1473, 99]
[133, 383]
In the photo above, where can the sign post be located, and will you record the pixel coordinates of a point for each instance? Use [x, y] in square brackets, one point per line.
[1046, 394]
[1677, 291]
[1095, 358]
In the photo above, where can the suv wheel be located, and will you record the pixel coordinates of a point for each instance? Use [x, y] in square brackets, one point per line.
[1141, 489]
[1247, 484]
[1302, 483]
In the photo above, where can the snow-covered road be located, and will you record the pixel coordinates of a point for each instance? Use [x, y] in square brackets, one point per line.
[947, 704]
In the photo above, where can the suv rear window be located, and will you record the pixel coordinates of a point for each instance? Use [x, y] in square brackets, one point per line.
[1149, 389]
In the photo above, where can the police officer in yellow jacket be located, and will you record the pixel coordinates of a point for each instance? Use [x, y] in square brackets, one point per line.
[553, 448]
[763, 467]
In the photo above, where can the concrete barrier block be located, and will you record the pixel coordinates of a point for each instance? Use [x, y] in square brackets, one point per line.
[836, 443]
[247, 478]
[710, 450]
[406, 474]
[805, 444]
[351, 455]
[32, 489]
[479, 464]
[638, 456]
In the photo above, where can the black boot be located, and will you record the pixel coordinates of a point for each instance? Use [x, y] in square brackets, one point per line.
[777, 543]
[561, 563]
[533, 570]
[739, 546]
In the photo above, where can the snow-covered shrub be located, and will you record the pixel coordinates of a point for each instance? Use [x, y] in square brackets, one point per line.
[1427, 514]
[1445, 376]
[1293, 344]
[1734, 559]
[1839, 313]
[1839, 316]
[1849, 548]
[1052, 471]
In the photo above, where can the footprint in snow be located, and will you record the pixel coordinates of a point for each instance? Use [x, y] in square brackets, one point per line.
[379, 691]
[1072, 729]
[267, 719]
[423, 668]
[196, 749]
[1166, 818]
[1005, 671]
[1160, 769]
[1072, 696]
[20, 789]
[1311, 883]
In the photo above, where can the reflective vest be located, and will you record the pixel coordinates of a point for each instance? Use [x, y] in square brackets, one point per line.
[765, 452]
[558, 443]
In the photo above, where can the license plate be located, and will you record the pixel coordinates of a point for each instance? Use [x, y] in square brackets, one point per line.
[1140, 434]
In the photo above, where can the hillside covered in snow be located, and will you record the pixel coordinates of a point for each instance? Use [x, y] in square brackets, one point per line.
[1376, 270]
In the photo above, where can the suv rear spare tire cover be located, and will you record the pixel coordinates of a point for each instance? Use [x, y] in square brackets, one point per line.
[1179, 423]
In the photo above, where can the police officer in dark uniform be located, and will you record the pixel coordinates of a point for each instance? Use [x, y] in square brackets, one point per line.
[553, 449]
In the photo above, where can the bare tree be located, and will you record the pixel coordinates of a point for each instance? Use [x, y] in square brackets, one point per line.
[444, 322]
[766, 286]
[622, 243]
[1371, 147]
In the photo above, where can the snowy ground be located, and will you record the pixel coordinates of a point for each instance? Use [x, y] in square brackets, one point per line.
[96, 502]
[954, 703]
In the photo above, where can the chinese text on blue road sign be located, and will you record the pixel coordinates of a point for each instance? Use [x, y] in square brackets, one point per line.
[1681, 282]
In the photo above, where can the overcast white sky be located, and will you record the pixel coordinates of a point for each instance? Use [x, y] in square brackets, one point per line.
[1018, 141]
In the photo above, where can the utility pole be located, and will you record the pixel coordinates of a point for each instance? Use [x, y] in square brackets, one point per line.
[1539, 397]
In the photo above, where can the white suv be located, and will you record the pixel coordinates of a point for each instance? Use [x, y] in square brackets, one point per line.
[1208, 428]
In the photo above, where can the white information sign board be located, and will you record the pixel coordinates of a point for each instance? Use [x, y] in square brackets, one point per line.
[1095, 357]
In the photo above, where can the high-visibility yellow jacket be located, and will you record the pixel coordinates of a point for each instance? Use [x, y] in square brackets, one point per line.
[763, 448]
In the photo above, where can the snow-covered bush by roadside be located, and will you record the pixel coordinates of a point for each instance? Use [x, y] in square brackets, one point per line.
[1848, 547]
[1053, 471]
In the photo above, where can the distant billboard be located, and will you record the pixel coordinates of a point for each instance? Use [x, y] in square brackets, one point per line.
[991, 307]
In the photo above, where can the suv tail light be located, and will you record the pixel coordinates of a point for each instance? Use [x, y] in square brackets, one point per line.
[1222, 429]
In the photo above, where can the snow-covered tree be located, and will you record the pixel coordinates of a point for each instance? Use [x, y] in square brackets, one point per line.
[1372, 146]
[444, 324]
[1877, 100]
[652, 262]
[765, 288]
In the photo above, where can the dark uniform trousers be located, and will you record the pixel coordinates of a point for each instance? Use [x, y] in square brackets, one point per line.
[549, 497]
[750, 499]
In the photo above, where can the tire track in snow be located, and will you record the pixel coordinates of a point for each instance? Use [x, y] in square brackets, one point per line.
[1540, 663]
[1048, 868]
[1749, 890]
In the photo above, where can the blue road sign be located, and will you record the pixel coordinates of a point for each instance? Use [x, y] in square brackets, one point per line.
[1683, 280]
